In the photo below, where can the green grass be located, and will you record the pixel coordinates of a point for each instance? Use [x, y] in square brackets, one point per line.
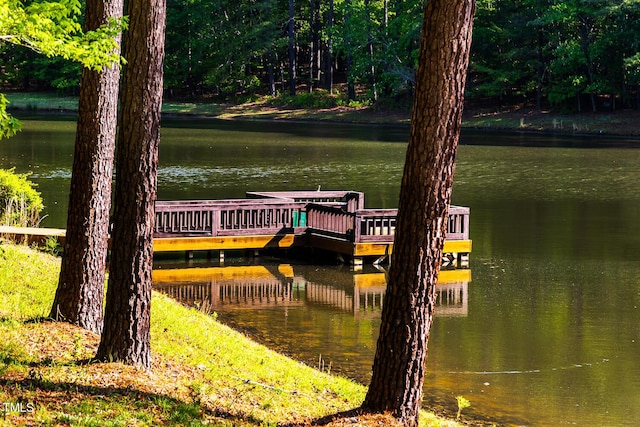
[203, 372]
[34, 101]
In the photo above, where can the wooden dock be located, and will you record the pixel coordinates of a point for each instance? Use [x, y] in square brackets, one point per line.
[334, 221]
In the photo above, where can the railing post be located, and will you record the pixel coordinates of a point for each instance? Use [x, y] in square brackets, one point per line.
[215, 222]
[465, 232]
[357, 228]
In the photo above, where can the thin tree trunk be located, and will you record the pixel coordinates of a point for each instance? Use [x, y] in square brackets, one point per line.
[399, 366]
[351, 90]
[270, 54]
[372, 67]
[317, 56]
[312, 50]
[330, 49]
[292, 49]
[80, 292]
[127, 313]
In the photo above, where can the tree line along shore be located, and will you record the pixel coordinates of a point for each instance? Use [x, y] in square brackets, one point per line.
[622, 123]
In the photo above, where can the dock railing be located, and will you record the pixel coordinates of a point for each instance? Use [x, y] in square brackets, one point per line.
[458, 224]
[374, 225]
[326, 216]
[331, 221]
[229, 217]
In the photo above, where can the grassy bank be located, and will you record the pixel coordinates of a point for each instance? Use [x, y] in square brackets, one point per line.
[203, 373]
[619, 123]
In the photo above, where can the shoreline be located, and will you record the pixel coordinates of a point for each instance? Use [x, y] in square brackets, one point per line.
[618, 124]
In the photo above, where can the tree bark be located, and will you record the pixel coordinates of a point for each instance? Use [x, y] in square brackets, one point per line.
[399, 366]
[127, 313]
[80, 292]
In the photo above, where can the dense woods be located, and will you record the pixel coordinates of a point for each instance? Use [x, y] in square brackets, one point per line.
[571, 55]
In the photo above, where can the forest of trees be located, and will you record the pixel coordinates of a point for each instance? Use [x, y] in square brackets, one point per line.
[571, 55]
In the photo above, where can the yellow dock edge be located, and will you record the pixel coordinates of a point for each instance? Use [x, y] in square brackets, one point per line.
[381, 249]
[183, 244]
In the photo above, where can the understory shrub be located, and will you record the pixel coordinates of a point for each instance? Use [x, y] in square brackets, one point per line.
[20, 202]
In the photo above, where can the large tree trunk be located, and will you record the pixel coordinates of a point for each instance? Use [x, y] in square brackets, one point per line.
[127, 314]
[399, 366]
[80, 290]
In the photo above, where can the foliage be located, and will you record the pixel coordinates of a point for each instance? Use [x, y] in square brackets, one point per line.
[316, 99]
[9, 125]
[20, 202]
[53, 29]
[571, 55]
[51, 246]
[462, 404]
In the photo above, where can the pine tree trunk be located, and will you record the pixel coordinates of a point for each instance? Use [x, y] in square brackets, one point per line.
[80, 290]
[399, 366]
[127, 313]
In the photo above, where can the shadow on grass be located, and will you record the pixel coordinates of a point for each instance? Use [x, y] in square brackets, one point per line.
[104, 405]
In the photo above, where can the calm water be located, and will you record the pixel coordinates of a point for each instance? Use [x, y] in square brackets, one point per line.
[548, 331]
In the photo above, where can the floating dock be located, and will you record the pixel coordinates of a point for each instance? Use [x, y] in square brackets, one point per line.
[334, 221]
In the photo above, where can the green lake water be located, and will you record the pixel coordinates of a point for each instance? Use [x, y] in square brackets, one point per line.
[547, 331]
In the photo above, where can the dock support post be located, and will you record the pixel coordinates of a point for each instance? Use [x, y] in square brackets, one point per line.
[463, 260]
[221, 257]
[356, 263]
[188, 255]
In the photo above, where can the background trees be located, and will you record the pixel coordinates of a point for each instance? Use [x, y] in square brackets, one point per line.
[571, 55]
[52, 29]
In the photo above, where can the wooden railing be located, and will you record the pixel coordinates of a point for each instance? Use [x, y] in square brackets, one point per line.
[332, 214]
[229, 217]
[331, 221]
[458, 224]
[374, 225]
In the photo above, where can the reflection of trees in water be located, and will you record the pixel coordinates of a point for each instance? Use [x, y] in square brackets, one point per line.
[362, 297]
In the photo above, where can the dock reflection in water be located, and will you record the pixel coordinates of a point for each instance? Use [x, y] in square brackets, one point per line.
[259, 286]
